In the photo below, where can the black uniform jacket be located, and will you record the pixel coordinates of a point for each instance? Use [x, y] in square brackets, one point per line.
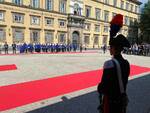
[109, 84]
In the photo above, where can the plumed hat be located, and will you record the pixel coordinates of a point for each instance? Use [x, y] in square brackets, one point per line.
[115, 25]
[118, 20]
[120, 41]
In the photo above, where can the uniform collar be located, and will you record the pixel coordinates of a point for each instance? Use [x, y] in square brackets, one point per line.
[119, 56]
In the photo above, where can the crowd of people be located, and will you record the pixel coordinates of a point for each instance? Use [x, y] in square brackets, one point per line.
[141, 49]
[37, 47]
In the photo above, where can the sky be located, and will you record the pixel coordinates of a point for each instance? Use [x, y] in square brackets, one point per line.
[143, 1]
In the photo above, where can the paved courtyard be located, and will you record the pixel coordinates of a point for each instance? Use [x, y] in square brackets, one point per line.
[32, 67]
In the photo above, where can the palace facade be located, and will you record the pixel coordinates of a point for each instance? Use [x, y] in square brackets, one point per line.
[83, 22]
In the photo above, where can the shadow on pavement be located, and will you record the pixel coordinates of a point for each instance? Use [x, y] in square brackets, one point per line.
[139, 95]
[138, 91]
[83, 104]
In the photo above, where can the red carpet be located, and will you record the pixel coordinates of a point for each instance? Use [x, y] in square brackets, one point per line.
[25, 93]
[8, 67]
[135, 70]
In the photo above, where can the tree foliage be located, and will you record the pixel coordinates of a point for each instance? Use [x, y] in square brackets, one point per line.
[145, 23]
[133, 32]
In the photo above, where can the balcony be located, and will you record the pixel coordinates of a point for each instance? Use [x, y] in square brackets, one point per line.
[75, 20]
[76, 16]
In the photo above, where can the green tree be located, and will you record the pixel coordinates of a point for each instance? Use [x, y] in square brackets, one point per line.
[133, 32]
[145, 23]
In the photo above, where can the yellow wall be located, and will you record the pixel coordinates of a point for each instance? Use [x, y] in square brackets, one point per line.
[9, 8]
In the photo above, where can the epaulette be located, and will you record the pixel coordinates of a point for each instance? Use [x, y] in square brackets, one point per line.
[108, 64]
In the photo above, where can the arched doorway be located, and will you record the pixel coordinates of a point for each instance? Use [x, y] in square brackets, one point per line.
[76, 38]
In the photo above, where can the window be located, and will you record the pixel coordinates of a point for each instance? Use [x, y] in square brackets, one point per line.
[106, 29]
[131, 21]
[105, 39]
[77, 9]
[86, 39]
[127, 6]
[49, 5]
[17, 2]
[35, 36]
[1, 0]
[97, 28]
[97, 13]
[96, 40]
[49, 37]
[126, 20]
[115, 3]
[106, 16]
[62, 38]
[87, 26]
[138, 9]
[106, 1]
[35, 20]
[49, 21]
[87, 11]
[135, 9]
[62, 23]
[113, 14]
[62, 6]
[18, 35]
[35, 3]
[131, 7]
[122, 5]
[18, 18]
[2, 34]
[1, 16]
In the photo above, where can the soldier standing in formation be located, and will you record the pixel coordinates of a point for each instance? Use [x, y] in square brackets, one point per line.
[81, 48]
[0, 48]
[14, 48]
[6, 48]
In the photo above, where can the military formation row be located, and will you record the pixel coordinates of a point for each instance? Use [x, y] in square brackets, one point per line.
[24, 48]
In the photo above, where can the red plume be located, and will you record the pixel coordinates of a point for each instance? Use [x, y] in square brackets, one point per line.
[117, 20]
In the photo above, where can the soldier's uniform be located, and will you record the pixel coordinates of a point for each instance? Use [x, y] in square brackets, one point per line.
[14, 48]
[109, 85]
[0, 48]
[6, 48]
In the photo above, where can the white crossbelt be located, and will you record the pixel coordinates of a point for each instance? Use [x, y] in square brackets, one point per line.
[119, 75]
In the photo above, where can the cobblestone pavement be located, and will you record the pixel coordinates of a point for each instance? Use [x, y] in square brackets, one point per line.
[41, 66]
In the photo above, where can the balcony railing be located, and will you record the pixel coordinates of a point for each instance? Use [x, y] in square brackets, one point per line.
[75, 20]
